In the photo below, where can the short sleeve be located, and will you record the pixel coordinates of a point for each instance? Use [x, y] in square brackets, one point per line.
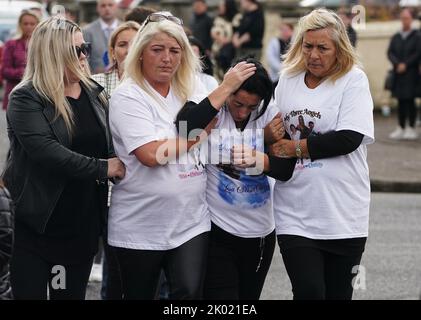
[269, 114]
[131, 119]
[356, 109]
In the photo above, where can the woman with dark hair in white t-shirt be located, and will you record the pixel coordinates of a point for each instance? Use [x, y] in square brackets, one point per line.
[158, 217]
[242, 237]
[322, 212]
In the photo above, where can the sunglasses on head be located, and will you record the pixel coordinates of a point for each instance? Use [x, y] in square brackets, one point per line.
[157, 17]
[84, 48]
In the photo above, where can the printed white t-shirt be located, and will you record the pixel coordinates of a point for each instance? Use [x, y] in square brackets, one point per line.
[327, 198]
[239, 203]
[156, 208]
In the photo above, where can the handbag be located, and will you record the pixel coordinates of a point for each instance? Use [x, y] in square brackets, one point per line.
[390, 80]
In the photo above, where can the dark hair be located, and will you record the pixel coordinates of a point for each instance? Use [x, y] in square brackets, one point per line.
[139, 14]
[259, 83]
[230, 9]
[204, 58]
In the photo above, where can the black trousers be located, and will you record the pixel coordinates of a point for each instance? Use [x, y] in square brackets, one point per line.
[407, 109]
[318, 273]
[111, 288]
[237, 267]
[31, 274]
[184, 269]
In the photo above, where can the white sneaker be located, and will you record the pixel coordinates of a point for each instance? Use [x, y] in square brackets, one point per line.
[397, 134]
[96, 273]
[410, 134]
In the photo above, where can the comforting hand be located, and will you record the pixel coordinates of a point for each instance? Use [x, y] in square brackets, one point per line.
[204, 134]
[274, 130]
[116, 168]
[236, 75]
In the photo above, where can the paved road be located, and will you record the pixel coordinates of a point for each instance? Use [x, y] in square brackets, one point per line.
[392, 259]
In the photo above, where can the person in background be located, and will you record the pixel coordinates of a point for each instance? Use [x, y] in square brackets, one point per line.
[322, 212]
[223, 51]
[1, 62]
[60, 159]
[346, 17]
[139, 14]
[201, 24]
[6, 241]
[206, 75]
[404, 53]
[117, 51]
[248, 37]
[277, 47]
[98, 34]
[15, 52]
[71, 13]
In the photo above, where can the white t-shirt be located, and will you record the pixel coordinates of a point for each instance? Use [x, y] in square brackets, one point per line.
[156, 208]
[327, 198]
[208, 81]
[239, 203]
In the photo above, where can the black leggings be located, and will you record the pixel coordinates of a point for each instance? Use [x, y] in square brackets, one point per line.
[184, 269]
[31, 274]
[407, 108]
[111, 288]
[237, 267]
[316, 274]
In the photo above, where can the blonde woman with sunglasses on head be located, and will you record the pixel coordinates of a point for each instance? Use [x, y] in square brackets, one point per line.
[158, 215]
[57, 170]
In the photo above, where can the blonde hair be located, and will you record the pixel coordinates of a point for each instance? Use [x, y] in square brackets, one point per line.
[184, 79]
[318, 19]
[25, 12]
[51, 52]
[129, 25]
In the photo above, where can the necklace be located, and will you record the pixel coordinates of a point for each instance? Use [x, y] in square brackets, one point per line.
[312, 85]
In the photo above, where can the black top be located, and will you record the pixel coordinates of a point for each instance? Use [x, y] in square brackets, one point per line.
[201, 26]
[254, 23]
[405, 50]
[6, 243]
[40, 161]
[72, 232]
[352, 35]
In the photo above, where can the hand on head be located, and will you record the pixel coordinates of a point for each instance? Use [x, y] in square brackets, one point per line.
[236, 75]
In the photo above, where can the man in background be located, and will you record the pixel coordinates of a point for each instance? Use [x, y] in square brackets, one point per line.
[98, 33]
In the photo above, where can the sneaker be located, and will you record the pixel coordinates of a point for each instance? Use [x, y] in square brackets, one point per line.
[96, 273]
[410, 134]
[397, 134]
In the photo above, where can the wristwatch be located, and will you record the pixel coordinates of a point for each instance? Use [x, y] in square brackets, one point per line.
[298, 152]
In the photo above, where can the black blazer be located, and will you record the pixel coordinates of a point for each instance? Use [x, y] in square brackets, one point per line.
[40, 162]
[6, 242]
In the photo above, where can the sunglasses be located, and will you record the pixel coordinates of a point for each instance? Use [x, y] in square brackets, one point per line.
[157, 17]
[84, 48]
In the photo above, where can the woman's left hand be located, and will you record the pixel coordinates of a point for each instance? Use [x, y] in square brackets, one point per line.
[282, 148]
[274, 130]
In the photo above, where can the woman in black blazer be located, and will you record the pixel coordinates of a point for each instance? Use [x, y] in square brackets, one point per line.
[60, 158]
